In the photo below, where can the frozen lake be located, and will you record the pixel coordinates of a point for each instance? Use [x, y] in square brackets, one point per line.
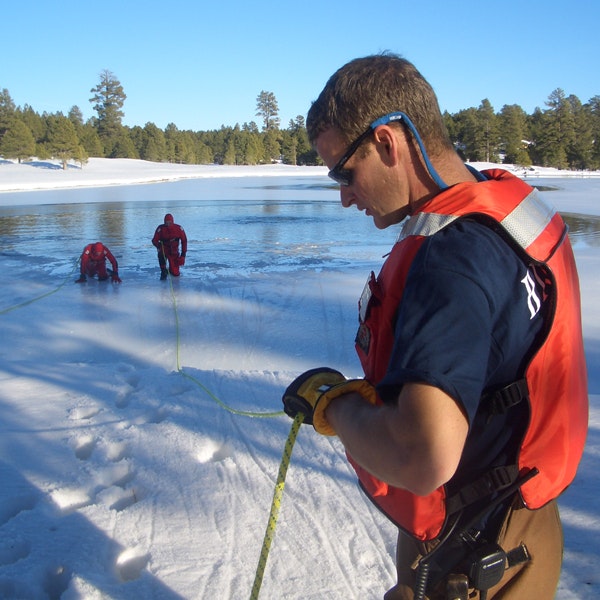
[249, 224]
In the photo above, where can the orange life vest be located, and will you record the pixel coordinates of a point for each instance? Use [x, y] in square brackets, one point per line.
[556, 375]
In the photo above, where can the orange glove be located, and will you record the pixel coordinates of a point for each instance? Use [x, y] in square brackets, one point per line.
[360, 386]
[311, 393]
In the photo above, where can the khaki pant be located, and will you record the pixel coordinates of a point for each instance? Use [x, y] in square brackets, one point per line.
[540, 531]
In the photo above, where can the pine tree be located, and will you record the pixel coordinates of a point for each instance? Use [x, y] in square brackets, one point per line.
[108, 100]
[266, 107]
[594, 112]
[487, 138]
[7, 111]
[229, 157]
[557, 134]
[272, 143]
[304, 154]
[62, 140]
[203, 152]
[154, 146]
[76, 117]
[581, 146]
[17, 141]
[514, 136]
[466, 127]
[90, 141]
[37, 125]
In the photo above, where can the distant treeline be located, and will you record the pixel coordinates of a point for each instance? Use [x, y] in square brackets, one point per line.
[565, 135]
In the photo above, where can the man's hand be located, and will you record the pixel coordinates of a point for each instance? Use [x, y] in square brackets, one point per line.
[182, 259]
[115, 278]
[311, 393]
[302, 394]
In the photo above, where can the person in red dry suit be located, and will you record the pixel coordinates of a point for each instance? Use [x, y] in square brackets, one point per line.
[166, 240]
[93, 262]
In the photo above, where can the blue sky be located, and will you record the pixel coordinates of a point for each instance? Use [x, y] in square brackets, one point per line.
[202, 64]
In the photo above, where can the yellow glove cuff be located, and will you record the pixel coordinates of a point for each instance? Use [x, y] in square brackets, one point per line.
[359, 386]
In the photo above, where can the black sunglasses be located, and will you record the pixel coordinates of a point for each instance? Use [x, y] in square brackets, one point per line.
[344, 176]
[338, 173]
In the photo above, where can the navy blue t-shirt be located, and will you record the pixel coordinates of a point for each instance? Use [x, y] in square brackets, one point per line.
[469, 316]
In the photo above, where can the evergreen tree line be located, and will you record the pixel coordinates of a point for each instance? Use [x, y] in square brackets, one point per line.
[565, 135]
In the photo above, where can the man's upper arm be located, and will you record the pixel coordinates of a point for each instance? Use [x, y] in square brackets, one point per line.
[437, 427]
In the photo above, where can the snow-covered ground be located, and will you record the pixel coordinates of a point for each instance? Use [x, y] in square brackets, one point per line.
[139, 451]
[49, 174]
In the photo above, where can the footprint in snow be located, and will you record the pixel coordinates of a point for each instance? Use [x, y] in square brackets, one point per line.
[69, 500]
[16, 504]
[116, 451]
[210, 451]
[153, 416]
[130, 381]
[84, 446]
[131, 563]
[82, 413]
[123, 398]
[13, 550]
[117, 498]
[56, 581]
[119, 474]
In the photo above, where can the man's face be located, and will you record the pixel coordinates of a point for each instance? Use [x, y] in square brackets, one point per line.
[372, 188]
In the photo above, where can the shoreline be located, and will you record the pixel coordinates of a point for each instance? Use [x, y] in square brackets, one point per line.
[106, 172]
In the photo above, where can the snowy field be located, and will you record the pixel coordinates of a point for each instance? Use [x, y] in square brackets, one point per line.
[140, 424]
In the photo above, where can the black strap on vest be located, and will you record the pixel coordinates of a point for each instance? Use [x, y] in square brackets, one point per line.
[495, 480]
[496, 402]
[500, 401]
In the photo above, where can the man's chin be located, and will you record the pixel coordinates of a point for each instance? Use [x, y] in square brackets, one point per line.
[393, 218]
[385, 221]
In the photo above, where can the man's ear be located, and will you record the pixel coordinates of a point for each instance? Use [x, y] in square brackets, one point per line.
[387, 144]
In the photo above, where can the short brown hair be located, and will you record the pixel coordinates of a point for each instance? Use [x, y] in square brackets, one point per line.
[368, 88]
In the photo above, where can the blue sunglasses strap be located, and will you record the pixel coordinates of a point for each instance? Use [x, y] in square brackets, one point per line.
[400, 116]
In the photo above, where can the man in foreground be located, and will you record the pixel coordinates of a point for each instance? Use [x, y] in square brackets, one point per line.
[93, 262]
[472, 415]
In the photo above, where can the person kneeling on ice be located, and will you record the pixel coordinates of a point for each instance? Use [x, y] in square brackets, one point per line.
[166, 240]
[93, 262]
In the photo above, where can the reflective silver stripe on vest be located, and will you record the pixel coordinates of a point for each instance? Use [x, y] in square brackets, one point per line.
[425, 224]
[524, 224]
[527, 221]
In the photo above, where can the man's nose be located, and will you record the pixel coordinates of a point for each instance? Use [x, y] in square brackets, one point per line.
[346, 196]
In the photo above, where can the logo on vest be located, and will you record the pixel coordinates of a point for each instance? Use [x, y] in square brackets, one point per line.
[533, 300]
